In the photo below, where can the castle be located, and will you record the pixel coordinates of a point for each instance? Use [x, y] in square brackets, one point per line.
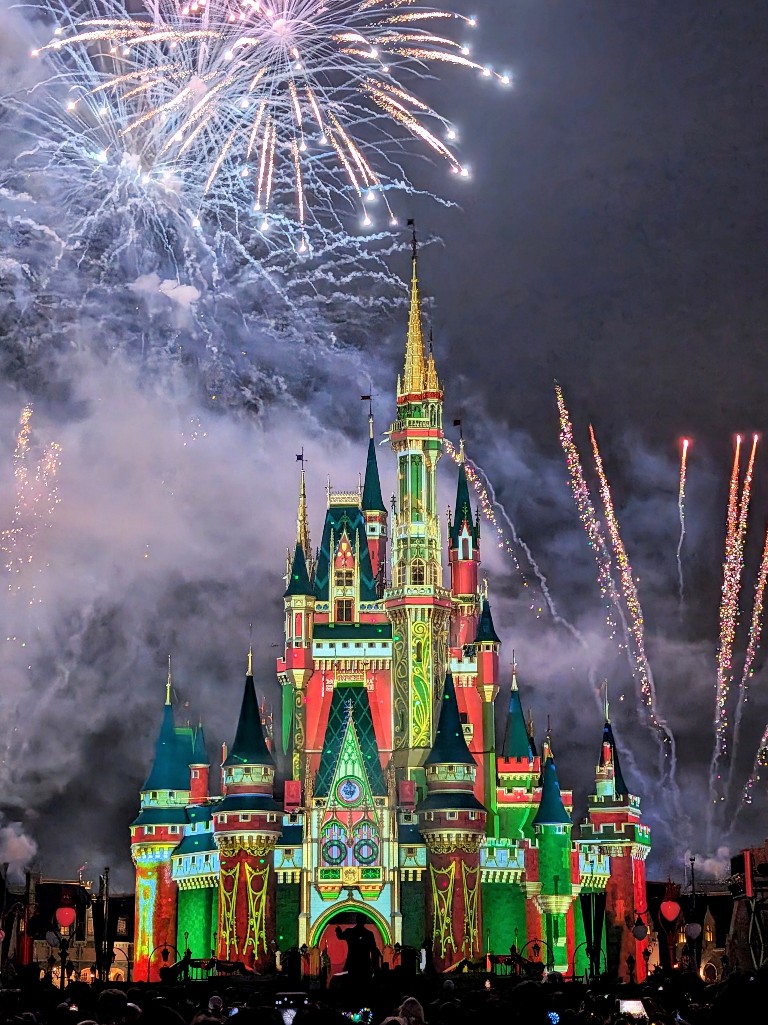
[399, 800]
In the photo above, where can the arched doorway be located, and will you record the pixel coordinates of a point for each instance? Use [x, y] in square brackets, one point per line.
[336, 949]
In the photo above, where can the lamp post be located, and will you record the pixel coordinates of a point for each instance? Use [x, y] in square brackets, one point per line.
[165, 953]
[670, 912]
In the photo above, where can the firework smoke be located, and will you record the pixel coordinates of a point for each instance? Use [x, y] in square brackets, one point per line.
[681, 511]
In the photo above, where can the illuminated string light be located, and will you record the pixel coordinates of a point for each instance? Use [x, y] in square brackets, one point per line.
[636, 622]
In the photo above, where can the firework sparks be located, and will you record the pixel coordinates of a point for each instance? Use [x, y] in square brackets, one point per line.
[36, 499]
[636, 623]
[755, 629]
[297, 107]
[681, 510]
[733, 565]
[590, 521]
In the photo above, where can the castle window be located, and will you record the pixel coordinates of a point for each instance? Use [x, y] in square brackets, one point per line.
[153, 796]
[400, 575]
[418, 654]
[195, 774]
[465, 554]
[343, 610]
[417, 572]
[245, 818]
[271, 818]
[171, 795]
[451, 815]
[149, 830]
[344, 578]
[473, 815]
[173, 829]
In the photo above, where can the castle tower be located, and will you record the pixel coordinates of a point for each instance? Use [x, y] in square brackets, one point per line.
[200, 768]
[295, 668]
[613, 820]
[464, 561]
[552, 825]
[487, 646]
[417, 604]
[375, 515]
[247, 823]
[452, 822]
[154, 834]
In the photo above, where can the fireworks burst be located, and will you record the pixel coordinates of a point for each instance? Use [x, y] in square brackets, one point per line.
[290, 110]
[681, 511]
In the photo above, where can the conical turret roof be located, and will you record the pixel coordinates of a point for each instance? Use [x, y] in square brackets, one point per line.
[250, 747]
[298, 581]
[620, 787]
[450, 746]
[551, 811]
[372, 500]
[517, 743]
[463, 509]
[170, 768]
[485, 628]
[199, 750]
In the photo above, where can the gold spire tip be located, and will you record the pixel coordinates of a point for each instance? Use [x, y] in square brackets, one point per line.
[168, 683]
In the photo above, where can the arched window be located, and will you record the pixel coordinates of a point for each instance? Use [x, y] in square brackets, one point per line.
[419, 651]
[417, 572]
[401, 574]
[344, 578]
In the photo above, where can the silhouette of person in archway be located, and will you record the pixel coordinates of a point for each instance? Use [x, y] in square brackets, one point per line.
[362, 953]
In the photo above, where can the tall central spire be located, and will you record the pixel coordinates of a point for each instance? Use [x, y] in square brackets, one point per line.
[302, 519]
[415, 363]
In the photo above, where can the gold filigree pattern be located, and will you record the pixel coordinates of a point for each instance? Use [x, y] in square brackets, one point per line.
[442, 882]
[257, 846]
[228, 883]
[256, 881]
[469, 878]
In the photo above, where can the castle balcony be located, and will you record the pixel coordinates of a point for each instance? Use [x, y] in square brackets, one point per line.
[502, 861]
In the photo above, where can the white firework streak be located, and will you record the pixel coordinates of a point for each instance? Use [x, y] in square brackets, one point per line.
[681, 511]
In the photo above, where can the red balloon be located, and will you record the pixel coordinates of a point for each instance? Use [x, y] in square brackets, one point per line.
[670, 909]
[65, 917]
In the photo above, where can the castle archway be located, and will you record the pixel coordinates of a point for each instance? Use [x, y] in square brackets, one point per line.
[324, 933]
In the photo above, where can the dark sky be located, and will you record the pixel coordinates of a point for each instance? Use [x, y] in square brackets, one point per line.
[611, 237]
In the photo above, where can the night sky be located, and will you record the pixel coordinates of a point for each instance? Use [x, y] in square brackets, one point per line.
[611, 237]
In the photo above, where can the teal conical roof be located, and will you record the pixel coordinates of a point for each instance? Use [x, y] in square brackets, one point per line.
[620, 787]
[199, 751]
[372, 500]
[450, 746]
[170, 768]
[346, 703]
[551, 810]
[298, 582]
[462, 510]
[250, 747]
[517, 742]
[485, 628]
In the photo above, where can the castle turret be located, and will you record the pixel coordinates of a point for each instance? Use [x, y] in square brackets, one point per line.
[552, 825]
[487, 644]
[155, 833]
[613, 820]
[417, 604]
[199, 768]
[464, 561]
[375, 514]
[247, 823]
[295, 667]
[452, 822]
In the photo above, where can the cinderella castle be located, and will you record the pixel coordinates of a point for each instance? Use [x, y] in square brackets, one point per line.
[386, 788]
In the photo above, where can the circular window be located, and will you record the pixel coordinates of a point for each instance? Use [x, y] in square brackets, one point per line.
[349, 790]
[334, 852]
[366, 851]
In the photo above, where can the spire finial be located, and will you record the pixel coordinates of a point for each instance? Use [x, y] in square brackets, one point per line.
[415, 367]
[605, 700]
[369, 400]
[249, 671]
[168, 684]
[514, 670]
[302, 518]
[457, 423]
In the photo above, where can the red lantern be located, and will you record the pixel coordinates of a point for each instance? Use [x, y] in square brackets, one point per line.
[670, 910]
[65, 917]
